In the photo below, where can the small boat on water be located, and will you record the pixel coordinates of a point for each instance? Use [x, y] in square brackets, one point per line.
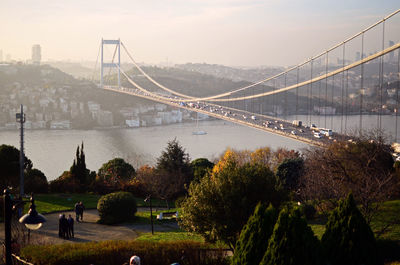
[198, 132]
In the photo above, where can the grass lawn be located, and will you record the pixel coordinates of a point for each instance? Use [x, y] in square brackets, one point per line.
[144, 217]
[47, 203]
[174, 235]
[177, 235]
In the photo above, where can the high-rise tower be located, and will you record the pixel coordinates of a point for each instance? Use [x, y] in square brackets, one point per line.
[36, 54]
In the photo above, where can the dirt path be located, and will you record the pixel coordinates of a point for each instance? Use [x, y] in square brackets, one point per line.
[89, 230]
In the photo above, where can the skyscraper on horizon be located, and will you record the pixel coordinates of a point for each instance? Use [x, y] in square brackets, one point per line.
[36, 54]
[1, 56]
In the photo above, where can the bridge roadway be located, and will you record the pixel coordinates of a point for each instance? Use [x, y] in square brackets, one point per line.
[261, 122]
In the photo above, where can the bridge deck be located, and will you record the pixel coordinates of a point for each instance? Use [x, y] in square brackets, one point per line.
[240, 117]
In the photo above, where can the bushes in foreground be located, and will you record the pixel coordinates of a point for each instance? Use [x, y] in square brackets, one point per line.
[116, 207]
[253, 239]
[348, 239]
[118, 252]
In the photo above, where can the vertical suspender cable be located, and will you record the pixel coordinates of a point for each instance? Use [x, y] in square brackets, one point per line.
[333, 104]
[381, 77]
[310, 88]
[361, 84]
[319, 99]
[397, 91]
[346, 97]
[274, 99]
[341, 112]
[95, 66]
[326, 84]
[286, 106]
[297, 94]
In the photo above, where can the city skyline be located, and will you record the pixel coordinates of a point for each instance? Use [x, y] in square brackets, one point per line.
[229, 32]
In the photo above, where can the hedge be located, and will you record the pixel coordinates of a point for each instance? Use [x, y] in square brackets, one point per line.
[118, 252]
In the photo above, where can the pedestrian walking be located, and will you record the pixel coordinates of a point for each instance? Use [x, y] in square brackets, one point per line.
[70, 226]
[81, 208]
[77, 211]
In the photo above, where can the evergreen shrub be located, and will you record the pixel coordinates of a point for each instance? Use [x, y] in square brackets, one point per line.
[348, 239]
[253, 240]
[292, 242]
[116, 207]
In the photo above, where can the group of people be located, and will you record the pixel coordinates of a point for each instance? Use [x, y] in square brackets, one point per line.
[79, 207]
[66, 227]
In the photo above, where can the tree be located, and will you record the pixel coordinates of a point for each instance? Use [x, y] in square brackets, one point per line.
[77, 179]
[363, 167]
[292, 242]
[253, 240]
[79, 172]
[219, 205]
[35, 181]
[200, 167]
[288, 173]
[115, 172]
[173, 172]
[348, 239]
[9, 166]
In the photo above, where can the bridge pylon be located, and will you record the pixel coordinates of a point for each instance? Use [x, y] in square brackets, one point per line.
[110, 64]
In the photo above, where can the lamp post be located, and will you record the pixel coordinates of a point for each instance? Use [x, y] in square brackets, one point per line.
[32, 220]
[151, 213]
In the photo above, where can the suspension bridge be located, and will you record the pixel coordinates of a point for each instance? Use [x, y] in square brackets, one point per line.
[358, 76]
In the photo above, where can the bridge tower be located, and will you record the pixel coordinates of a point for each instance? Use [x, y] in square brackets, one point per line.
[112, 64]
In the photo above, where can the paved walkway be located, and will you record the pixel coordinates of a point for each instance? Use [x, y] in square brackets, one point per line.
[89, 230]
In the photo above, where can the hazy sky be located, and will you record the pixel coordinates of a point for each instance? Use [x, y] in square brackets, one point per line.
[230, 32]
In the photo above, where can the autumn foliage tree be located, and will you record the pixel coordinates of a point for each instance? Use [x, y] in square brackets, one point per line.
[363, 167]
[219, 205]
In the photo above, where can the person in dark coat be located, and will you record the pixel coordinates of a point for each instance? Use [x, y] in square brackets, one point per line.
[81, 208]
[70, 226]
[64, 227]
[77, 211]
[60, 226]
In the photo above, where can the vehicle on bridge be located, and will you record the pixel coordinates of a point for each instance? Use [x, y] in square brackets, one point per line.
[326, 132]
[318, 135]
[297, 123]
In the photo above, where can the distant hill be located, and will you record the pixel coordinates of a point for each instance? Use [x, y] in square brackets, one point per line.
[232, 73]
[74, 69]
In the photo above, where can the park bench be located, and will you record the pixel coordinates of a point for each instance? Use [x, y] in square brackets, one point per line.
[165, 215]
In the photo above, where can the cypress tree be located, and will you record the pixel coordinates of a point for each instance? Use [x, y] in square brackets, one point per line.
[348, 239]
[253, 240]
[292, 242]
